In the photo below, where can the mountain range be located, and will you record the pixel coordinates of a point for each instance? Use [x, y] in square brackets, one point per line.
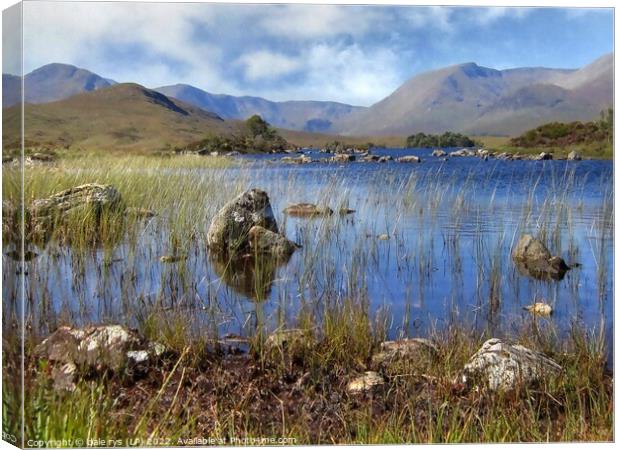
[464, 98]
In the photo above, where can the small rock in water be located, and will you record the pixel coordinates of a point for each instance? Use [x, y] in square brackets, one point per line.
[345, 211]
[172, 258]
[533, 258]
[502, 366]
[383, 237]
[409, 159]
[365, 383]
[544, 156]
[539, 308]
[574, 156]
[343, 157]
[307, 210]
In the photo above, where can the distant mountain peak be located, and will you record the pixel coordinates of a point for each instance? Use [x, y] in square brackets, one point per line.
[51, 82]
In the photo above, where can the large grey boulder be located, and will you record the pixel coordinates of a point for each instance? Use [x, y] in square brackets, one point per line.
[264, 241]
[533, 258]
[231, 225]
[95, 348]
[499, 365]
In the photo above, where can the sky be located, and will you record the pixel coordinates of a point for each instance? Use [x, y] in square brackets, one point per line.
[351, 54]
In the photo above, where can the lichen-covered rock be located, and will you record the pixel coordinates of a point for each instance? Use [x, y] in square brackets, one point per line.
[230, 227]
[392, 352]
[307, 210]
[95, 348]
[534, 259]
[502, 366]
[85, 198]
[265, 241]
[367, 382]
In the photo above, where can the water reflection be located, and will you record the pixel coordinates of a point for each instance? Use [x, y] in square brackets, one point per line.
[251, 275]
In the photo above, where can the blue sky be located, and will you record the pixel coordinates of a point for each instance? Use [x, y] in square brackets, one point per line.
[352, 54]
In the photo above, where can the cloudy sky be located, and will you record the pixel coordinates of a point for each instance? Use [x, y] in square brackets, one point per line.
[352, 54]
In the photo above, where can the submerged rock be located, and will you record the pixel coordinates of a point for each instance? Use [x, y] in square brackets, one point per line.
[383, 237]
[502, 366]
[367, 382]
[307, 210]
[231, 225]
[95, 348]
[534, 259]
[267, 242]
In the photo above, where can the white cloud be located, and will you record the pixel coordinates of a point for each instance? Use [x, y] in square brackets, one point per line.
[79, 33]
[345, 73]
[486, 16]
[267, 65]
[320, 21]
[430, 17]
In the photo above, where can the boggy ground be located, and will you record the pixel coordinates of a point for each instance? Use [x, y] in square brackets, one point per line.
[299, 390]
